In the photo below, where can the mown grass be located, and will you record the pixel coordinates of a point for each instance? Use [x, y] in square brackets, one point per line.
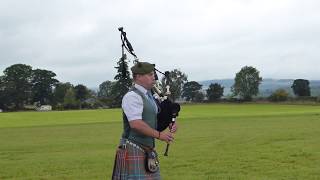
[214, 141]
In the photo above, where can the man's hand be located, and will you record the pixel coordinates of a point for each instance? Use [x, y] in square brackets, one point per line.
[173, 127]
[166, 136]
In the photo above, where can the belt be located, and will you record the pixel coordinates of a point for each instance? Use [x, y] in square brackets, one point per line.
[134, 145]
[125, 142]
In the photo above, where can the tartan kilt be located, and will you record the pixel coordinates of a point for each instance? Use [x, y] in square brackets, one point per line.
[130, 165]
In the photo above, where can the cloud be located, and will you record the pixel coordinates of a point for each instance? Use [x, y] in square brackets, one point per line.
[79, 40]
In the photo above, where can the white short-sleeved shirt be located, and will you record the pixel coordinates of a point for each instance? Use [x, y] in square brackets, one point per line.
[132, 103]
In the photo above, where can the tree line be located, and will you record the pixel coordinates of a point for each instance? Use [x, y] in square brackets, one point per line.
[245, 87]
[21, 85]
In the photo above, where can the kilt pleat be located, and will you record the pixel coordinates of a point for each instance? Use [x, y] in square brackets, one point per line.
[130, 165]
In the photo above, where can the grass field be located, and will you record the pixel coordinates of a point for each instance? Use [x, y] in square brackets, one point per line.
[217, 141]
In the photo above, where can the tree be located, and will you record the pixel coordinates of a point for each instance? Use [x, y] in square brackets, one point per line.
[214, 92]
[3, 94]
[70, 101]
[17, 80]
[246, 83]
[199, 97]
[105, 89]
[60, 91]
[105, 92]
[42, 85]
[301, 87]
[190, 90]
[279, 95]
[81, 94]
[123, 82]
[177, 80]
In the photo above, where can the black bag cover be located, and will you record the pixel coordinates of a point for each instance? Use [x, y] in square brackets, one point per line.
[168, 110]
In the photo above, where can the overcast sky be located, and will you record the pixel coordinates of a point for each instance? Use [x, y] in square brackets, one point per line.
[206, 39]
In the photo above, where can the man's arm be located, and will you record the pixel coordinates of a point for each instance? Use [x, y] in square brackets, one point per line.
[142, 127]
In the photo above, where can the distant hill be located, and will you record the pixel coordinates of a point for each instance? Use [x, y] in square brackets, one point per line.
[266, 87]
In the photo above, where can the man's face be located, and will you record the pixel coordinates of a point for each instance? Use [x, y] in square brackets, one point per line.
[146, 80]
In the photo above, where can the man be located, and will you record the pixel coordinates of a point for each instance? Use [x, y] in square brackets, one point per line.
[139, 127]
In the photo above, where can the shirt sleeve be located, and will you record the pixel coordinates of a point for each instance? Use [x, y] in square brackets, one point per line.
[132, 106]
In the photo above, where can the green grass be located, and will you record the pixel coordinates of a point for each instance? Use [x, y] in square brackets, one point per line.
[216, 141]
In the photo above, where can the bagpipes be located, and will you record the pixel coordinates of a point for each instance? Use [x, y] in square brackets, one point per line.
[169, 110]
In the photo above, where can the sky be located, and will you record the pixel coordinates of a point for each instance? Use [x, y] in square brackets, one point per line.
[206, 39]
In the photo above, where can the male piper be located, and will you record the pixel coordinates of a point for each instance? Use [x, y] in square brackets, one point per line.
[139, 128]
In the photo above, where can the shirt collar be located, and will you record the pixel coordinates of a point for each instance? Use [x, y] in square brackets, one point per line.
[141, 88]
